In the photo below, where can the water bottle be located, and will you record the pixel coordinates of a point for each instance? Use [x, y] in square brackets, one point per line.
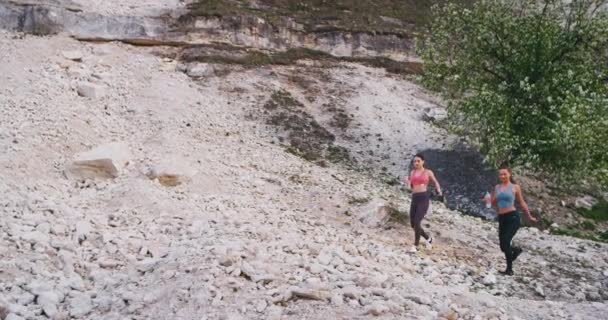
[488, 200]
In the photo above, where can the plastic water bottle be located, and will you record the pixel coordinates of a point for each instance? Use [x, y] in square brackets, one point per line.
[488, 200]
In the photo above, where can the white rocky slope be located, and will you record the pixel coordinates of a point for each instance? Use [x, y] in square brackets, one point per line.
[252, 232]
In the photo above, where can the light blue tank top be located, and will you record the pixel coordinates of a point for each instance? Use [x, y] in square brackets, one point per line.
[505, 199]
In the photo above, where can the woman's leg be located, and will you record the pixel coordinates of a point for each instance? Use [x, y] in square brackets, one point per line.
[508, 224]
[421, 209]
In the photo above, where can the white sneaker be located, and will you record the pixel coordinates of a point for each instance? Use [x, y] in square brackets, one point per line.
[429, 243]
[414, 249]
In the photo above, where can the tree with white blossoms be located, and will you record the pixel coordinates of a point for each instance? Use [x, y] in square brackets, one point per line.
[526, 81]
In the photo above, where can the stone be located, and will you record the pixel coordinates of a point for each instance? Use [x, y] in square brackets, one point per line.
[419, 299]
[377, 213]
[199, 70]
[172, 172]
[449, 314]
[108, 263]
[103, 162]
[539, 290]
[489, 279]
[586, 202]
[310, 294]
[12, 316]
[90, 90]
[80, 305]
[435, 114]
[83, 229]
[315, 268]
[4, 310]
[324, 258]
[260, 306]
[158, 249]
[48, 301]
[74, 55]
[377, 309]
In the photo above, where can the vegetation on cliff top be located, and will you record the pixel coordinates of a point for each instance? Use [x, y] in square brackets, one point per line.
[391, 16]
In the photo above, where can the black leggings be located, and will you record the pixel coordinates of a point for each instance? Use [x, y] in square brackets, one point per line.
[508, 224]
[418, 209]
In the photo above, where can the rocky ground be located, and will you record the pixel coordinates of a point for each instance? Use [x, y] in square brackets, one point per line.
[205, 212]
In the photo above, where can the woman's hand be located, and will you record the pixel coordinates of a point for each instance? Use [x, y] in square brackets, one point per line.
[531, 217]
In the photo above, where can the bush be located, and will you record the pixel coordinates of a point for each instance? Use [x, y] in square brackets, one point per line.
[526, 81]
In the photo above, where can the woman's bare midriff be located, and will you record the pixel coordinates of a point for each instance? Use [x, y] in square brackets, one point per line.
[419, 188]
[506, 210]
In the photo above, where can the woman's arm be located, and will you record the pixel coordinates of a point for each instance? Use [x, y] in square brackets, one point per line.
[523, 204]
[407, 181]
[432, 177]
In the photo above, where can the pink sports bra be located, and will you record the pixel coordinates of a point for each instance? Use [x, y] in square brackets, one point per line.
[418, 179]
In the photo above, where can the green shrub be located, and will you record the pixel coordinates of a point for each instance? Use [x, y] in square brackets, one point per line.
[526, 81]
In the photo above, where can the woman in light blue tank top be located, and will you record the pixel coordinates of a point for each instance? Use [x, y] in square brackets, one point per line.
[503, 198]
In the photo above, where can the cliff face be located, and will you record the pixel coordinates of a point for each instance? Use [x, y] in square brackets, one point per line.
[244, 30]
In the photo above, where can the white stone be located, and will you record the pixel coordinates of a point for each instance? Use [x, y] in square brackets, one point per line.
[586, 202]
[199, 70]
[172, 172]
[539, 290]
[105, 161]
[435, 114]
[48, 301]
[73, 55]
[377, 309]
[90, 90]
[12, 316]
[489, 279]
[80, 305]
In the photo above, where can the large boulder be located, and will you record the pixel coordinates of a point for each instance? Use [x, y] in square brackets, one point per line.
[104, 162]
[377, 213]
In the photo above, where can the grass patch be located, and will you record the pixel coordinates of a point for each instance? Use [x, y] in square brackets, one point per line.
[306, 137]
[598, 213]
[576, 233]
[227, 54]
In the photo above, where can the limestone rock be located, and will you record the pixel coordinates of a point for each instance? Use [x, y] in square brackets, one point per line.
[172, 172]
[377, 309]
[12, 316]
[48, 301]
[80, 305]
[377, 213]
[586, 202]
[435, 114]
[74, 55]
[90, 90]
[104, 162]
[489, 279]
[199, 70]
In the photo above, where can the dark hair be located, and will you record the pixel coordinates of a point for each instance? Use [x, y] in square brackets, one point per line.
[506, 167]
[419, 155]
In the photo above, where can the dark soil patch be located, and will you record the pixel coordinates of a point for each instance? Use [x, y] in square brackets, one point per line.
[305, 136]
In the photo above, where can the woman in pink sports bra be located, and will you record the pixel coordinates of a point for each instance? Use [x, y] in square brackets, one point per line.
[418, 181]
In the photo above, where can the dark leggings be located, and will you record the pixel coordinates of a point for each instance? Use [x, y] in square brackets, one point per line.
[418, 209]
[508, 224]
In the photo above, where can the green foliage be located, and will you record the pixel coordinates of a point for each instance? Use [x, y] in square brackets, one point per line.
[598, 213]
[526, 81]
